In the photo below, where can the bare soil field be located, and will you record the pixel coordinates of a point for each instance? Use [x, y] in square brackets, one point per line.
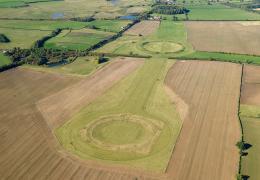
[251, 85]
[28, 148]
[206, 146]
[144, 28]
[61, 106]
[229, 37]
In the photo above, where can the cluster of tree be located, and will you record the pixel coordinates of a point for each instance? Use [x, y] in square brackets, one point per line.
[170, 9]
[83, 19]
[39, 43]
[4, 38]
[41, 56]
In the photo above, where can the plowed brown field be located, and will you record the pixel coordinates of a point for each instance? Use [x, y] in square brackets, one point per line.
[206, 145]
[27, 148]
[251, 85]
[144, 28]
[230, 37]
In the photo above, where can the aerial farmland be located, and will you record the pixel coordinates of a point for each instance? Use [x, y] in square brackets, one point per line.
[129, 90]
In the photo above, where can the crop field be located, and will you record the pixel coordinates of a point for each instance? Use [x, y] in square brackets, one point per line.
[250, 116]
[28, 148]
[169, 34]
[206, 145]
[69, 9]
[77, 39]
[21, 38]
[143, 28]
[230, 37]
[17, 3]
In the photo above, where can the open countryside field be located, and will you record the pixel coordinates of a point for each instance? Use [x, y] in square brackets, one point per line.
[4, 60]
[229, 37]
[21, 38]
[77, 39]
[70, 9]
[250, 116]
[206, 145]
[169, 34]
[143, 28]
[28, 147]
[137, 102]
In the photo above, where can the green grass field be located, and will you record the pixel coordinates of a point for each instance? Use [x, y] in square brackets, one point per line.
[77, 39]
[250, 116]
[81, 66]
[21, 38]
[215, 12]
[101, 9]
[105, 25]
[18, 3]
[140, 94]
[4, 60]
[222, 57]
[169, 32]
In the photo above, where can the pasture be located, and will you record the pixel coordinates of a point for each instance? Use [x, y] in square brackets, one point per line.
[21, 38]
[97, 130]
[218, 12]
[4, 60]
[77, 39]
[250, 116]
[70, 9]
[82, 66]
[229, 37]
[169, 33]
[206, 145]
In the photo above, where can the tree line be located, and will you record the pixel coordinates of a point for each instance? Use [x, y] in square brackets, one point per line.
[170, 9]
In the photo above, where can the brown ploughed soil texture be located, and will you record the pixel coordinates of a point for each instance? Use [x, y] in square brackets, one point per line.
[229, 37]
[27, 145]
[143, 28]
[59, 107]
[206, 147]
[251, 85]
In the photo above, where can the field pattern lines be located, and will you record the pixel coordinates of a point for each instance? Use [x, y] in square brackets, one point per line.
[206, 145]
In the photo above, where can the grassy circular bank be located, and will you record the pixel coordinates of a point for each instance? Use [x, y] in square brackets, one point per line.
[162, 47]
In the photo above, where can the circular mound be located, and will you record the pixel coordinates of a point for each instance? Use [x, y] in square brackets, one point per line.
[128, 133]
[162, 47]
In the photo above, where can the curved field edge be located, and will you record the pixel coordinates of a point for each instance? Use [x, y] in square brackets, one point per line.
[141, 93]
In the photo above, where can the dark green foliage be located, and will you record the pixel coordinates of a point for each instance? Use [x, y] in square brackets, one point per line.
[170, 9]
[102, 59]
[241, 145]
[4, 39]
[40, 43]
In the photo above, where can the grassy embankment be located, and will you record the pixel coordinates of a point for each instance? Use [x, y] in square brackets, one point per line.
[141, 93]
[250, 116]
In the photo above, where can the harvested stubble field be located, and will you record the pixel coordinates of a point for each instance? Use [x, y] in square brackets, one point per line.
[229, 37]
[143, 28]
[250, 116]
[206, 147]
[28, 148]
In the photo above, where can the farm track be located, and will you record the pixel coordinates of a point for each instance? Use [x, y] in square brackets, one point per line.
[144, 28]
[206, 145]
[27, 150]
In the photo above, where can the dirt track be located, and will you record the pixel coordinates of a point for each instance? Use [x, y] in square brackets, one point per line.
[230, 37]
[251, 85]
[27, 150]
[206, 145]
[61, 106]
[144, 28]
